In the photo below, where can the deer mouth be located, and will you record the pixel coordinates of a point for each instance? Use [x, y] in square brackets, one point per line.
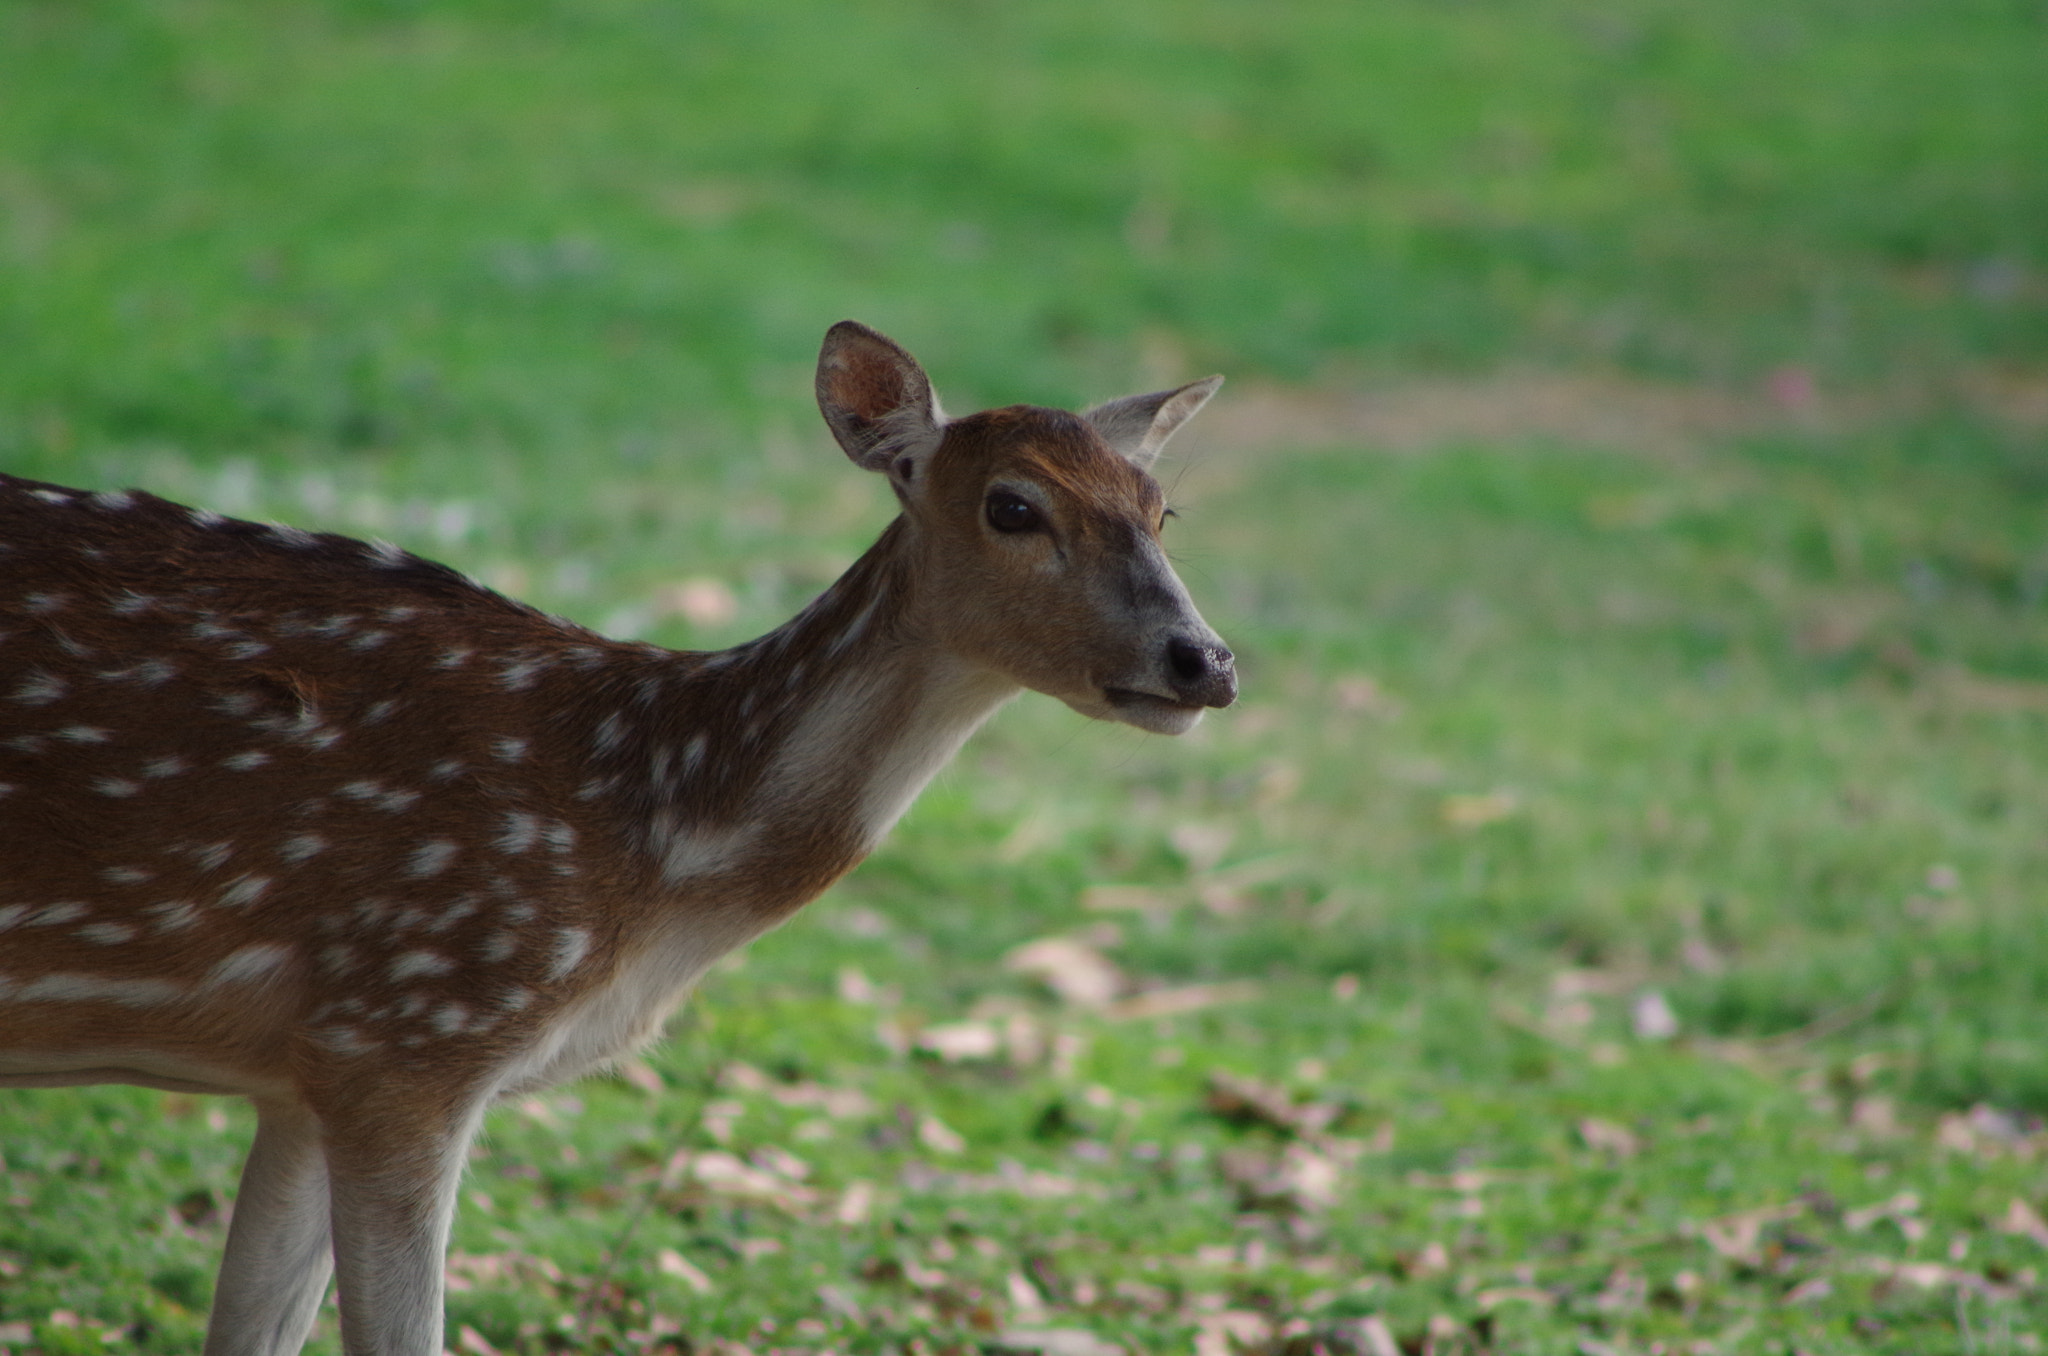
[1150, 711]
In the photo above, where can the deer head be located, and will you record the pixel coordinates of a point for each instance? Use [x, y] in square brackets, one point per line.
[1035, 535]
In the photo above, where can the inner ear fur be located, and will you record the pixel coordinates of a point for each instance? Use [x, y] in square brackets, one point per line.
[877, 401]
[1138, 426]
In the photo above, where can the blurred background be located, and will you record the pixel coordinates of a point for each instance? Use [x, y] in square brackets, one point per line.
[1610, 922]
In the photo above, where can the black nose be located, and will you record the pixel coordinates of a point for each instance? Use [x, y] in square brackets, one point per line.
[1203, 672]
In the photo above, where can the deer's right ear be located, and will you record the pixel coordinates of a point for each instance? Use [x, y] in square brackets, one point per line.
[879, 403]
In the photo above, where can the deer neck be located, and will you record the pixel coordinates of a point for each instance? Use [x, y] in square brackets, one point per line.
[792, 755]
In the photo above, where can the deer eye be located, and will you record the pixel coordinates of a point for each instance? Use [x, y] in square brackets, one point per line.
[1008, 513]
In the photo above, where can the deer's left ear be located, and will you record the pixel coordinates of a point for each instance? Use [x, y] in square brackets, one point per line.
[879, 403]
[1138, 426]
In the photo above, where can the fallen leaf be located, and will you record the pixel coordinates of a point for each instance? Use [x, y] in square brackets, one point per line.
[939, 1137]
[954, 1042]
[1651, 1018]
[1475, 812]
[1176, 1001]
[1076, 971]
[1055, 1342]
[2023, 1219]
[1231, 1331]
[1248, 1101]
[672, 1263]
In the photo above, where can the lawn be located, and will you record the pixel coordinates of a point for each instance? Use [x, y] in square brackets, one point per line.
[1608, 923]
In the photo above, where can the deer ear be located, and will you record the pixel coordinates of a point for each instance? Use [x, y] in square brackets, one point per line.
[1138, 426]
[878, 402]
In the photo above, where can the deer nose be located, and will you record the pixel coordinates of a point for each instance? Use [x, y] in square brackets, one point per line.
[1203, 672]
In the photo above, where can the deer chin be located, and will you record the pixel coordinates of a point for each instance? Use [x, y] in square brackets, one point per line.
[1147, 711]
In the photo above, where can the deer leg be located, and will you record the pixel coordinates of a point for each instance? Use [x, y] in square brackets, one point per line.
[274, 1273]
[394, 1170]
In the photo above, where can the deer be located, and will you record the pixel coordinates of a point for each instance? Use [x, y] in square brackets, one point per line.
[321, 824]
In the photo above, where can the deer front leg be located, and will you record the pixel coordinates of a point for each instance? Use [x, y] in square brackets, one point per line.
[394, 1165]
[275, 1270]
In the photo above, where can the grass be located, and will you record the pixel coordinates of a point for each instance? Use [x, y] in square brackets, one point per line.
[1616, 895]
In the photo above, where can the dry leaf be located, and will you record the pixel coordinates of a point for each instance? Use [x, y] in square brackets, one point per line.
[1201, 845]
[1055, 1342]
[957, 1041]
[1186, 998]
[2023, 1219]
[1230, 1331]
[1076, 971]
[1246, 1100]
[1651, 1018]
[1474, 812]
[672, 1263]
[939, 1137]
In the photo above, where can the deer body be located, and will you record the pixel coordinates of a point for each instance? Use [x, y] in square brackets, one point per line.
[311, 821]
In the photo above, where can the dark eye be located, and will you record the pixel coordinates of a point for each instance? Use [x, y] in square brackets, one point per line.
[1008, 513]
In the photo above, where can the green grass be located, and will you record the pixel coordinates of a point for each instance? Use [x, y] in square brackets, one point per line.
[1751, 718]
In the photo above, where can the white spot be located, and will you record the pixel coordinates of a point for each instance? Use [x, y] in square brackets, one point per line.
[107, 934]
[117, 787]
[247, 649]
[301, 846]
[244, 892]
[561, 838]
[295, 537]
[498, 946]
[39, 689]
[204, 517]
[687, 855]
[165, 767]
[519, 674]
[395, 801]
[398, 612]
[361, 790]
[516, 999]
[693, 753]
[509, 748]
[369, 640]
[45, 602]
[114, 499]
[127, 993]
[571, 946]
[52, 496]
[446, 770]
[609, 732]
[379, 712]
[449, 1018]
[250, 963]
[11, 914]
[85, 734]
[453, 658]
[384, 555]
[50, 915]
[130, 602]
[338, 624]
[594, 788]
[127, 875]
[519, 831]
[431, 858]
[213, 856]
[454, 913]
[416, 963]
[235, 703]
[173, 914]
[344, 1040]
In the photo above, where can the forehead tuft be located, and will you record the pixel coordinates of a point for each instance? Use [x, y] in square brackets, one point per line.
[1054, 447]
